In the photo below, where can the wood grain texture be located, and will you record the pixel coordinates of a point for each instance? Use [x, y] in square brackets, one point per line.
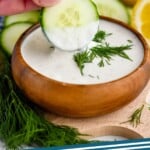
[111, 124]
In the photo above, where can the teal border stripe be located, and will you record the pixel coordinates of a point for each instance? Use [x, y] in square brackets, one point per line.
[138, 144]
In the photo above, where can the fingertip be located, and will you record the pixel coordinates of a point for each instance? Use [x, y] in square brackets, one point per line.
[45, 3]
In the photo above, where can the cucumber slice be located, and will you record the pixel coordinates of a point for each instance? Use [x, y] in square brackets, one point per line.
[129, 9]
[31, 16]
[114, 9]
[10, 35]
[70, 24]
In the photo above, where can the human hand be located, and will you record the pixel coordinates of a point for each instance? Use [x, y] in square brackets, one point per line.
[11, 7]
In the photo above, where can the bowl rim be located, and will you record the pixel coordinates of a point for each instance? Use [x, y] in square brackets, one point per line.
[17, 49]
[117, 130]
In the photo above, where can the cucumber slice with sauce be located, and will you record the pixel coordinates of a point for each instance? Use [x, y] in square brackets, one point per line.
[114, 9]
[10, 34]
[70, 24]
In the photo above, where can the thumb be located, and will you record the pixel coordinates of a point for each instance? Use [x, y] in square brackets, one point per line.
[45, 3]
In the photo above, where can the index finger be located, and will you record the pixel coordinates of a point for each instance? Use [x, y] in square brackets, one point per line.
[45, 3]
[10, 7]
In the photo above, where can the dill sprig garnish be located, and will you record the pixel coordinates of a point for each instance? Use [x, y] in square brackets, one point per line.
[21, 123]
[82, 58]
[103, 50]
[135, 118]
[100, 36]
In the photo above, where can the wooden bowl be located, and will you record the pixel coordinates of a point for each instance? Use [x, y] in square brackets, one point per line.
[79, 100]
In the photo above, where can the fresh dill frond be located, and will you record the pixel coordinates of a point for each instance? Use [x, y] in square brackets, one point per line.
[100, 36]
[135, 118]
[81, 58]
[102, 50]
[21, 123]
[105, 52]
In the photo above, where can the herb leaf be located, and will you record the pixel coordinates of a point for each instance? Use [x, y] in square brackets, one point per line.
[102, 50]
[105, 52]
[81, 58]
[100, 36]
[135, 118]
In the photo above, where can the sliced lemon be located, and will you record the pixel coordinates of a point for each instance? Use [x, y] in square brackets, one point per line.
[141, 18]
[146, 29]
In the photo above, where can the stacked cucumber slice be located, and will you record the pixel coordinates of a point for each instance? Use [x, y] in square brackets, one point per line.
[14, 26]
[11, 33]
[31, 16]
[114, 9]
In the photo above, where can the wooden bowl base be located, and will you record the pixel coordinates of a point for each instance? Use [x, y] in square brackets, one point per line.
[101, 125]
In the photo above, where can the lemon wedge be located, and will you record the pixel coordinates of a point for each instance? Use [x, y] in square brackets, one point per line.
[141, 18]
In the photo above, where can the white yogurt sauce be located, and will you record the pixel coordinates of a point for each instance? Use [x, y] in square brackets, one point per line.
[74, 37]
[59, 65]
